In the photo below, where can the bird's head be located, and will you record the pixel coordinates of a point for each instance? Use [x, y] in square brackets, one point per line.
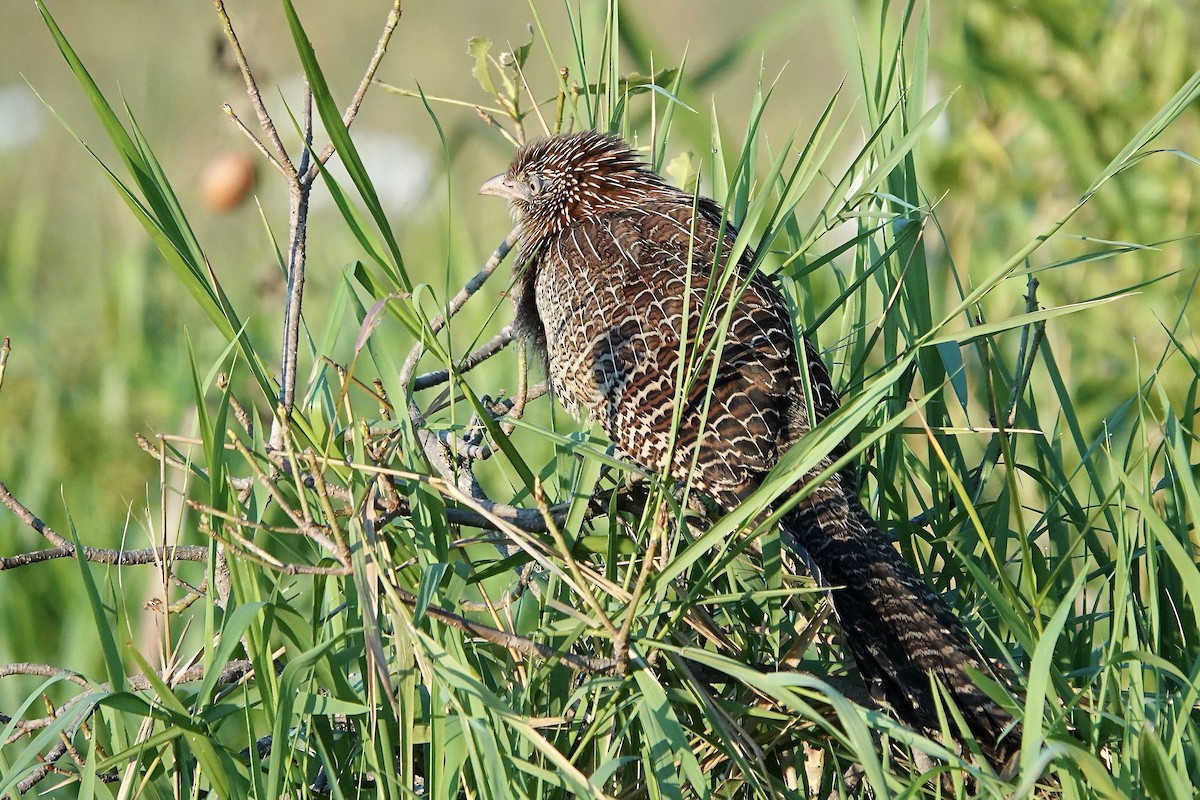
[561, 179]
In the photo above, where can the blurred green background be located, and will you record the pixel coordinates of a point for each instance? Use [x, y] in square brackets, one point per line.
[1046, 93]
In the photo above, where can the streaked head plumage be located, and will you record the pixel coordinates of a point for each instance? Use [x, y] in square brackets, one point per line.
[554, 181]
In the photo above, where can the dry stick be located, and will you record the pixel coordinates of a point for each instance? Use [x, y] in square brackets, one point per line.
[343, 551]
[5, 349]
[433, 446]
[389, 26]
[234, 540]
[458, 482]
[298, 195]
[456, 304]
[492, 123]
[510, 641]
[310, 529]
[282, 161]
[196, 505]
[290, 465]
[299, 182]
[233, 672]
[165, 570]
[64, 548]
[485, 351]
[527, 519]
[254, 140]
[43, 671]
[239, 412]
[1025, 353]
[300, 189]
[240, 484]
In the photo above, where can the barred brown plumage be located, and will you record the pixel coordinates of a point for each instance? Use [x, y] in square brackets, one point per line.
[618, 279]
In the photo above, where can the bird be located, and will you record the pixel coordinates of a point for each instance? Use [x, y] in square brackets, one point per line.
[631, 294]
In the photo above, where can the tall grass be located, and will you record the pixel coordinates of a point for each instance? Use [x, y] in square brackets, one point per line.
[1066, 548]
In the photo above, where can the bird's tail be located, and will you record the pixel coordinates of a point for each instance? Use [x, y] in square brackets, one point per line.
[899, 631]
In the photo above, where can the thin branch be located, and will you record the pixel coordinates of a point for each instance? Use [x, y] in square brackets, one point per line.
[309, 529]
[297, 250]
[490, 348]
[124, 558]
[511, 641]
[456, 304]
[492, 123]
[1025, 353]
[64, 549]
[27, 516]
[254, 140]
[256, 101]
[5, 349]
[239, 412]
[43, 671]
[389, 27]
[233, 672]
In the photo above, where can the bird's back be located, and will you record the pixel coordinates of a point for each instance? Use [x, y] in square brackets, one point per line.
[636, 311]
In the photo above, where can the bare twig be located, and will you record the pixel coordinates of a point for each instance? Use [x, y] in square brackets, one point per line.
[1026, 353]
[492, 123]
[485, 351]
[309, 529]
[256, 101]
[239, 412]
[254, 140]
[43, 671]
[5, 349]
[64, 549]
[233, 672]
[299, 192]
[511, 641]
[300, 180]
[389, 27]
[124, 558]
[456, 304]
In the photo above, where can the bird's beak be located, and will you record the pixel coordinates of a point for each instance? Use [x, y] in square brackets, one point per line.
[500, 186]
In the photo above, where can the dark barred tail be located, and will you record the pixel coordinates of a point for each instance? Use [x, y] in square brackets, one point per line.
[898, 630]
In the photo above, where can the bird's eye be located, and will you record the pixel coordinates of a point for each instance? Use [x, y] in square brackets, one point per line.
[535, 185]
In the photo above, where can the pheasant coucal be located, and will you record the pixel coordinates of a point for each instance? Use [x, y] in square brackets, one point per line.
[618, 277]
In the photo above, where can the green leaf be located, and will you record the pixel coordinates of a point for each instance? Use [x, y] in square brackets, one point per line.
[670, 749]
[952, 360]
[431, 579]
[331, 118]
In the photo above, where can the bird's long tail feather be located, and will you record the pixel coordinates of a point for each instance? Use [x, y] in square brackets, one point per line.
[898, 630]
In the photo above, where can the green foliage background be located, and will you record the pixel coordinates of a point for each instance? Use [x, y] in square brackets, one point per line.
[1101, 510]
